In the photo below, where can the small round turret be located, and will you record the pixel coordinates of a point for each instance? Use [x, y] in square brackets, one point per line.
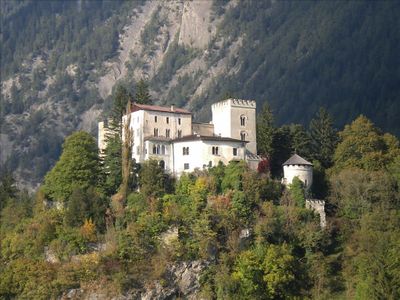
[297, 166]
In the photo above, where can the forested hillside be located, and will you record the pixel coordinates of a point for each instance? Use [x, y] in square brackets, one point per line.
[114, 229]
[61, 59]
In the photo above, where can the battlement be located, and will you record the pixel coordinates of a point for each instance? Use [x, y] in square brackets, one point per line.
[236, 103]
[319, 207]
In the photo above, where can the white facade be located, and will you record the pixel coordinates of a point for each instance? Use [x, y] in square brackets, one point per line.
[236, 118]
[202, 152]
[168, 135]
[304, 173]
[297, 166]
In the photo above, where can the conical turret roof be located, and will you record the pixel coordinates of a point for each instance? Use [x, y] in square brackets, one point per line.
[296, 160]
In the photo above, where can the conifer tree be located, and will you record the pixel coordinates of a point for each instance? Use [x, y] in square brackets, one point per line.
[142, 95]
[323, 138]
[265, 131]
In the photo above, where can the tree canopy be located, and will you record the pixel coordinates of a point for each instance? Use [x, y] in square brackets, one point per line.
[78, 166]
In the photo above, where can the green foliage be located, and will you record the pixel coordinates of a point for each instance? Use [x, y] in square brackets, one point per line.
[84, 205]
[323, 138]
[265, 131]
[75, 33]
[121, 96]
[363, 146]
[257, 238]
[233, 176]
[297, 192]
[142, 95]
[372, 259]
[153, 181]
[78, 166]
[356, 192]
[267, 273]
[112, 164]
[7, 188]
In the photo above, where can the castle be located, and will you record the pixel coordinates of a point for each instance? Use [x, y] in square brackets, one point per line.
[169, 135]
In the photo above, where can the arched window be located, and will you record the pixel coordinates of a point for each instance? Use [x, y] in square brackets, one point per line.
[154, 149]
[158, 149]
[162, 164]
[243, 135]
[242, 120]
[163, 150]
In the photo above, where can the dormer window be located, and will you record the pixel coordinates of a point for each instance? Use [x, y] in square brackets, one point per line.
[242, 120]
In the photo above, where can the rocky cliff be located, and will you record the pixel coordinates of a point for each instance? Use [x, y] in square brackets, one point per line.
[298, 56]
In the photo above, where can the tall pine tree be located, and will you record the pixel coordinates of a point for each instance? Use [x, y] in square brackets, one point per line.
[323, 138]
[142, 95]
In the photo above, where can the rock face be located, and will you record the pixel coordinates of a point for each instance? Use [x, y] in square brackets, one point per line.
[195, 25]
[182, 281]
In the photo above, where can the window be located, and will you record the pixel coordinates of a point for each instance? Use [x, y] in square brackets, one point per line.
[179, 134]
[163, 150]
[155, 131]
[162, 164]
[179, 121]
[167, 120]
[242, 120]
[186, 166]
[235, 151]
[243, 136]
[210, 164]
[158, 149]
[185, 150]
[215, 150]
[155, 119]
[305, 183]
[154, 149]
[167, 133]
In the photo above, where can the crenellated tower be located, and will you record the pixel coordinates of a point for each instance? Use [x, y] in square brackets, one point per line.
[236, 118]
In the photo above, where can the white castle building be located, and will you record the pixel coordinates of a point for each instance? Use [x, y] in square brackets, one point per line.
[168, 135]
[296, 166]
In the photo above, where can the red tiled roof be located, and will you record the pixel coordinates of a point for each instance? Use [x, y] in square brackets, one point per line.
[136, 107]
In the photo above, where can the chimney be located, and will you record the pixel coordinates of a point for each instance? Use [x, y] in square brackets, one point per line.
[172, 107]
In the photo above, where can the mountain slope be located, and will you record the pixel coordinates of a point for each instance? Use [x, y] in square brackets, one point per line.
[60, 62]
